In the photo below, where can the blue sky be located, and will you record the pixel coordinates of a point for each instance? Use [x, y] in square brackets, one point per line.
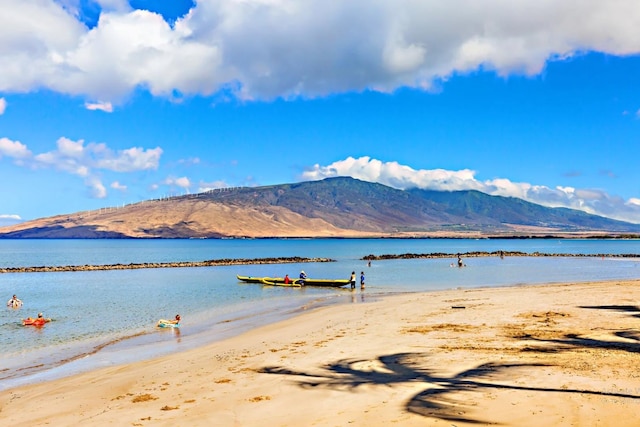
[110, 102]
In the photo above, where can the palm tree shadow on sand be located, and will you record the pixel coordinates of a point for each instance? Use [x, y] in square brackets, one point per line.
[569, 341]
[441, 397]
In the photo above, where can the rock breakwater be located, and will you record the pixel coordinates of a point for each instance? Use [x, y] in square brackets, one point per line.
[180, 264]
[478, 254]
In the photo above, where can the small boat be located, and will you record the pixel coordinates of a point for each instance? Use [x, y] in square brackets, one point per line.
[279, 281]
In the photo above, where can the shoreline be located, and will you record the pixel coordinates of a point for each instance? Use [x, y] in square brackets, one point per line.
[152, 343]
[526, 355]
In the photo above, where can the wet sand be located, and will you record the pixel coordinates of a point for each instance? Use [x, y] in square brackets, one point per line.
[556, 355]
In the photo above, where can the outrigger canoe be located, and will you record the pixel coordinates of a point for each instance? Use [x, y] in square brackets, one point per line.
[268, 282]
[279, 281]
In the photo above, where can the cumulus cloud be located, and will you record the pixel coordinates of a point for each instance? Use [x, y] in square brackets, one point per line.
[9, 219]
[83, 160]
[12, 217]
[117, 186]
[107, 107]
[96, 188]
[14, 149]
[403, 177]
[3, 106]
[182, 182]
[208, 186]
[77, 158]
[261, 49]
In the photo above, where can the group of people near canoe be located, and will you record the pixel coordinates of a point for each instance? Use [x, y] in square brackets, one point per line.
[303, 277]
[300, 281]
[40, 320]
[352, 280]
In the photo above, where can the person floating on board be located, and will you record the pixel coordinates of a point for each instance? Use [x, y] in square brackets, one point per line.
[286, 279]
[303, 276]
[175, 321]
[39, 321]
[14, 302]
[362, 280]
[353, 280]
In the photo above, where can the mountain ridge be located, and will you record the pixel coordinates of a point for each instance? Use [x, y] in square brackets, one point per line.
[333, 207]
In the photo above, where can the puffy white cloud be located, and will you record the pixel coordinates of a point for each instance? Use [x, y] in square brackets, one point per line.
[400, 176]
[3, 106]
[76, 158]
[129, 160]
[262, 49]
[107, 107]
[117, 186]
[182, 182]
[9, 219]
[14, 217]
[208, 186]
[14, 149]
[96, 188]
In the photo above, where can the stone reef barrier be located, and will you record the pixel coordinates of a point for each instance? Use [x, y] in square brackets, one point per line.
[180, 264]
[478, 254]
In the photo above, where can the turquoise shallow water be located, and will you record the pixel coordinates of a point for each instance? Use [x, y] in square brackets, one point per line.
[107, 317]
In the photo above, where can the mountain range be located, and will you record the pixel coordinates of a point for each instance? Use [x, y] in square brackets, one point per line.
[333, 207]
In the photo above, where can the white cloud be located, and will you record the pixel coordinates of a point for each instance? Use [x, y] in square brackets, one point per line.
[208, 186]
[182, 182]
[107, 107]
[266, 48]
[9, 219]
[86, 161]
[3, 106]
[117, 186]
[13, 149]
[76, 158]
[13, 217]
[96, 188]
[399, 176]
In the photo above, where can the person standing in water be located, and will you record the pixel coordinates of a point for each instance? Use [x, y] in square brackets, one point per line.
[362, 280]
[352, 280]
[14, 302]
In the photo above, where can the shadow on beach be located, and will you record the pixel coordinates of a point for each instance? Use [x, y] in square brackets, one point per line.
[448, 397]
[437, 400]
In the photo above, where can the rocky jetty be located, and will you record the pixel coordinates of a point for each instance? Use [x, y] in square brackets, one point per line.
[479, 254]
[180, 264]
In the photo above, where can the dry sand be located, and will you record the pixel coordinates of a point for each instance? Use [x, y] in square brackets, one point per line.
[552, 355]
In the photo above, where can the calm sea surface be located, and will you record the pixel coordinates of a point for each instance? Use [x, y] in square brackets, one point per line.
[103, 318]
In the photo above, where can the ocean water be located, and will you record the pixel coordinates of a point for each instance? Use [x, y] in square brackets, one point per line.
[102, 318]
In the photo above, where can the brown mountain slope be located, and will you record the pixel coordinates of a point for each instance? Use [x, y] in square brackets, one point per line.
[185, 218]
[333, 207]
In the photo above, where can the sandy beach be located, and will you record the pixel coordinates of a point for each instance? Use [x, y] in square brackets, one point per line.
[552, 355]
